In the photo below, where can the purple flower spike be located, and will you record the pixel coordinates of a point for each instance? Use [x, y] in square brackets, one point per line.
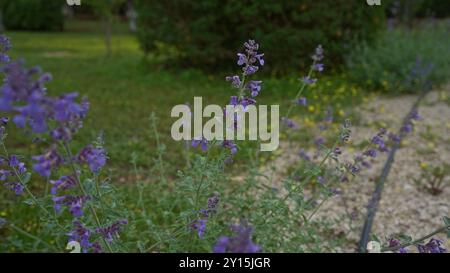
[94, 157]
[203, 143]
[241, 242]
[46, 162]
[200, 226]
[308, 80]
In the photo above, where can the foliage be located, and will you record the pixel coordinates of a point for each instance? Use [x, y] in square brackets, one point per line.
[201, 33]
[32, 15]
[390, 62]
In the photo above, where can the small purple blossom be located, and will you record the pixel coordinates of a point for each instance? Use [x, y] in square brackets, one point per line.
[5, 46]
[254, 87]
[82, 235]
[240, 242]
[46, 162]
[16, 164]
[308, 80]
[394, 243]
[94, 157]
[112, 231]
[433, 246]
[235, 81]
[303, 154]
[203, 143]
[15, 186]
[74, 203]
[289, 123]
[200, 226]
[301, 101]
[318, 67]
[64, 183]
[318, 54]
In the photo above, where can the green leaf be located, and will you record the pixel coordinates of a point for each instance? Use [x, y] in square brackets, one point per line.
[447, 223]
[26, 178]
[29, 202]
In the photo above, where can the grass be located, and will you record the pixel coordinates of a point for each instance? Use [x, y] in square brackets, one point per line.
[125, 88]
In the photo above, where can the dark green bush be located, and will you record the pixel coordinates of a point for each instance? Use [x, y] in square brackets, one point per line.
[207, 33]
[387, 64]
[33, 14]
[436, 8]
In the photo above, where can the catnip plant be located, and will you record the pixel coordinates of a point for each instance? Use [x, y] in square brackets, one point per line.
[206, 207]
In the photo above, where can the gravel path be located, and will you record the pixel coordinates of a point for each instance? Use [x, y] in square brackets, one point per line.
[404, 206]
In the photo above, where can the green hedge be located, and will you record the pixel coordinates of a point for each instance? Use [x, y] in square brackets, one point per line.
[207, 33]
[32, 14]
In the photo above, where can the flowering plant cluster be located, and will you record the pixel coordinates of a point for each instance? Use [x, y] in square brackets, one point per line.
[202, 208]
[25, 97]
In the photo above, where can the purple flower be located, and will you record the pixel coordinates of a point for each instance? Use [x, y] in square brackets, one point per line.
[394, 242]
[45, 163]
[64, 183]
[15, 186]
[241, 242]
[213, 201]
[82, 235]
[379, 141]
[16, 164]
[289, 123]
[254, 87]
[303, 154]
[74, 203]
[370, 152]
[308, 80]
[394, 137]
[94, 157]
[318, 67]
[249, 61]
[301, 101]
[235, 81]
[250, 69]
[5, 46]
[433, 246]
[203, 143]
[200, 226]
[111, 231]
[4, 175]
[4, 121]
[318, 55]
[321, 180]
[230, 145]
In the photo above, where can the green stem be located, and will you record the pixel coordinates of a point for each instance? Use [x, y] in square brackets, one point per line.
[299, 93]
[23, 232]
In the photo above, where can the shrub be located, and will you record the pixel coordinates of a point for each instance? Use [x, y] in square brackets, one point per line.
[387, 64]
[201, 33]
[33, 15]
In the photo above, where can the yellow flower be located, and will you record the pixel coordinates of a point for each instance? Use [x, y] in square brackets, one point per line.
[311, 108]
[423, 165]
[341, 113]
[431, 145]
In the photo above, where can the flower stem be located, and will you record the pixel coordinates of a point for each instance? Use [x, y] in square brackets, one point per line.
[80, 185]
